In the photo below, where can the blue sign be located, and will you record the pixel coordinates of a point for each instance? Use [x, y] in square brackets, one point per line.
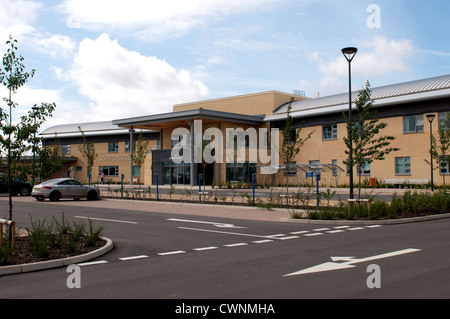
[309, 174]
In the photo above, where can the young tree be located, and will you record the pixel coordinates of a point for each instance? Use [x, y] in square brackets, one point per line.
[440, 147]
[141, 151]
[291, 143]
[17, 138]
[87, 150]
[367, 145]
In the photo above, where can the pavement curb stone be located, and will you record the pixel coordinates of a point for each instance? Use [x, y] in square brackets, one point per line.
[24, 268]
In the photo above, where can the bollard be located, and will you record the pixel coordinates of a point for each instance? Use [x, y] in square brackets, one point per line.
[200, 187]
[157, 187]
[253, 182]
[121, 186]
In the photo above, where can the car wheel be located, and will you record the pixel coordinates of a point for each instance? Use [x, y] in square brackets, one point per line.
[24, 191]
[92, 195]
[54, 196]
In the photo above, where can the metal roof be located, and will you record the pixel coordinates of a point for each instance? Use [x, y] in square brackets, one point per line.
[89, 129]
[86, 127]
[401, 92]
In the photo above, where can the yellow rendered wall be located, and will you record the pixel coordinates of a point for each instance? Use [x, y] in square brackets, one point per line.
[250, 104]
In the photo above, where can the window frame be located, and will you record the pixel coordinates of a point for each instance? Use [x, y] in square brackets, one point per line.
[403, 173]
[417, 118]
[331, 132]
[112, 145]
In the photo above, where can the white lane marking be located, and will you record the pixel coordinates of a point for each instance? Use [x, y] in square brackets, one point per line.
[224, 232]
[216, 224]
[172, 253]
[263, 241]
[288, 237]
[108, 220]
[276, 235]
[341, 227]
[133, 257]
[321, 229]
[313, 234]
[205, 248]
[335, 231]
[374, 226]
[355, 228]
[93, 263]
[299, 232]
[236, 245]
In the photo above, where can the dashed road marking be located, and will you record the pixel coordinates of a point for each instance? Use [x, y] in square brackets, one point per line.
[265, 239]
[133, 257]
[91, 263]
[176, 252]
[236, 245]
[313, 234]
[205, 248]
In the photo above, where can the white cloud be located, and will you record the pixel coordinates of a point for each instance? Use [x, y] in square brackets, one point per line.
[122, 83]
[152, 19]
[376, 57]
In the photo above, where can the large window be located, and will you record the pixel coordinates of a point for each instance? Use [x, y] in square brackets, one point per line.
[413, 124]
[329, 132]
[109, 170]
[403, 166]
[240, 172]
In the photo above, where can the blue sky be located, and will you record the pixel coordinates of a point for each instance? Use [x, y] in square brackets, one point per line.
[109, 59]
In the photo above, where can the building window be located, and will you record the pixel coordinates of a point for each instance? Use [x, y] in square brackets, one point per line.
[413, 124]
[444, 120]
[403, 166]
[109, 170]
[240, 172]
[136, 171]
[364, 170]
[329, 132]
[445, 167]
[79, 168]
[127, 146]
[65, 149]
[113, 147]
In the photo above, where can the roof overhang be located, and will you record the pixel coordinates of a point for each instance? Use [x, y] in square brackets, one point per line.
[183, 118]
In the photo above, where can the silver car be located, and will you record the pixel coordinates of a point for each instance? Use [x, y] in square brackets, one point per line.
[64, 188]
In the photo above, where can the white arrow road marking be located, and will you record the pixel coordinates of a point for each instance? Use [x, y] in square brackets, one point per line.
[348, 262]
[220, 225]
[107, 220]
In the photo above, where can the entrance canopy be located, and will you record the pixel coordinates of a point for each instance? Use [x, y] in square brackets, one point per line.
[166, 120]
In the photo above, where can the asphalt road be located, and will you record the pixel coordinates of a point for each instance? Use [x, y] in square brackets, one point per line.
[169, 256]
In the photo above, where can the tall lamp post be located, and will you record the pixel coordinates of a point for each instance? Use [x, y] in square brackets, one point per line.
[34, 108]
[349, 54]
[430, 118]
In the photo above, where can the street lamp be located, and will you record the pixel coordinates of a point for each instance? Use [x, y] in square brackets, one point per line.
[34, 108]
[349, 54]
[430, 118]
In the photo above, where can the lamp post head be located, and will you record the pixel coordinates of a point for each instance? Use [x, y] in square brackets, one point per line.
[430, 117]
[349, 53]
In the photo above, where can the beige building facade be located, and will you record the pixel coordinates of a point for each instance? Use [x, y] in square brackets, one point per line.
[404, 107]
